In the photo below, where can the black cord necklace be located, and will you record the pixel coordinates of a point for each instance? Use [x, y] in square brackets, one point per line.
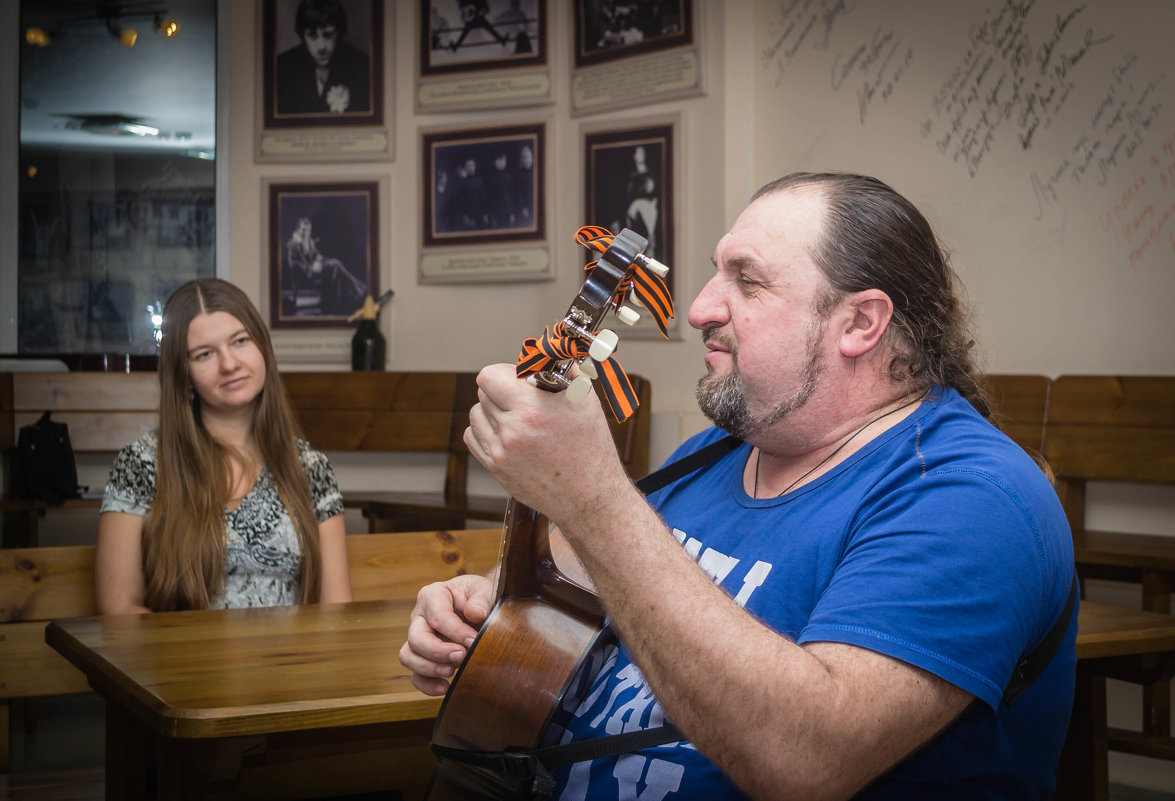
[824, 461]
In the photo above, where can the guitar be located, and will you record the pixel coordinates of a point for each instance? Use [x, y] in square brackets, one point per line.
[507, 693]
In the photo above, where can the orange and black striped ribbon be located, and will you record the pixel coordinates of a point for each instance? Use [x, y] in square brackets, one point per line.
[649, 288]
[542, 353]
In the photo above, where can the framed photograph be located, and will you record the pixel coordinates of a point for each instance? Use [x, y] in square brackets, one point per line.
[607, 30]
[323, 80]
[484, 185]
[323, 252]
[630, 182]
[467, 35]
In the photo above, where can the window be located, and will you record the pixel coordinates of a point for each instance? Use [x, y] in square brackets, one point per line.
[117, 181]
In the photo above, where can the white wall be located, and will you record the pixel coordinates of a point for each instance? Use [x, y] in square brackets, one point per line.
[464, 327]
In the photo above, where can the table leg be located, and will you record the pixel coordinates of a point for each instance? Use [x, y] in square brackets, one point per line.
[1156, 698]
[1083, 773]
[128, 755]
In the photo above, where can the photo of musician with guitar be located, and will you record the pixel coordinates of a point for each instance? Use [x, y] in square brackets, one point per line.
[852, 586]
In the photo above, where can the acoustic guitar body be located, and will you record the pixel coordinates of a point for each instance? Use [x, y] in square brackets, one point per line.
[507, 694]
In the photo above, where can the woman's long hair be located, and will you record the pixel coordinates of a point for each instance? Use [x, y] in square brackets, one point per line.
[184, 535]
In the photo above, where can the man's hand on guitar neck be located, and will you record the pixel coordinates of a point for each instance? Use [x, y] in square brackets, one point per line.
[444, 624]
[555, 456]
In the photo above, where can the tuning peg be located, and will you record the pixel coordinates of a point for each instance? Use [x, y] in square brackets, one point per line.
[579, 389]
[588, 367]
[627, 315]
[603, 345]
[652, 265]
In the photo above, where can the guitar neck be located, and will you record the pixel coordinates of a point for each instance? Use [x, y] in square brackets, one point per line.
[529, 569]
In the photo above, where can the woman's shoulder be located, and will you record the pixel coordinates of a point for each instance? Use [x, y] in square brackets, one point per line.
[141, 450]
[309, 455]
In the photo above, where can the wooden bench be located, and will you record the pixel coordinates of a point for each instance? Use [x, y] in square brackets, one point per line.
[1120, 429]
[104, 411]
[41, 584]
[391, 412]
[1020, 407]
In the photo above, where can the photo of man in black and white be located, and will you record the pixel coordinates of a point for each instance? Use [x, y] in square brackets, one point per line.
[628, 191]
[324, 73]
[326, 251]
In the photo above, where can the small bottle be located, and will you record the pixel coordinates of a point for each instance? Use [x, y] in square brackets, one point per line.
[369, 349]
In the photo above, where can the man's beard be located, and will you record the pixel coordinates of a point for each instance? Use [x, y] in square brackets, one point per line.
[723, 400]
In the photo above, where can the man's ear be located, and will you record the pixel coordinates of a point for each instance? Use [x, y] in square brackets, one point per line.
[869, 314]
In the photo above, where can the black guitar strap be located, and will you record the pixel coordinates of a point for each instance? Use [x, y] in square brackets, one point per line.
[534, 767]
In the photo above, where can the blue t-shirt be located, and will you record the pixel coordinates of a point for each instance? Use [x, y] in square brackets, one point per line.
[940, 543]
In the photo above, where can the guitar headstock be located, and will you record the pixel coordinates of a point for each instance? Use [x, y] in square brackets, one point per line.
[622, 272]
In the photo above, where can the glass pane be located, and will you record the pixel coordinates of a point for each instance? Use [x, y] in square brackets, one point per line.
[117, 169]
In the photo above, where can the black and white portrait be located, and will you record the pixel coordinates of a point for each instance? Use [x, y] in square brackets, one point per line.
[462, 35]
[324, 61]
[611, 29]
[484, 186]
[323, 252]
[629, 185]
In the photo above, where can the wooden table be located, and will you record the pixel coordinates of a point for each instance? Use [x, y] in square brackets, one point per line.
[226, 702]
[300, 701]
[1147, 560]
[1105, 634]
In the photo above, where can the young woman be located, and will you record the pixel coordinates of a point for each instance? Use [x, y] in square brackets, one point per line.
[223, 505]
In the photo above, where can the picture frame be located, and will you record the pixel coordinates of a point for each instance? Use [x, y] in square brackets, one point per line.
[632, 180]
[607, 31]
[634, 54]
[323, 251]
[346, 117]
[484, 187]
[479, 54]
[487, 35]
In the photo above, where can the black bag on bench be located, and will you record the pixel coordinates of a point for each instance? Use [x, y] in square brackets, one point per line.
[43, 467]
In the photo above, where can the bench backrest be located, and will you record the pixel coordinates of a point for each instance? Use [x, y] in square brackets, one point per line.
[345, 411]
[1020, 407]
[104, 411]
[1109, 428]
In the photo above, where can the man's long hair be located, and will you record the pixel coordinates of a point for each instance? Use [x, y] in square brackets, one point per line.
[874, 238]
[184, 535]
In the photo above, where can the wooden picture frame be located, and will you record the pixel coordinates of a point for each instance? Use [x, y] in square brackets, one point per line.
[484, 187]
[345, 118]
[631, 180]
[606, 31]
[323, 251]
[491, 35]
[465, 203]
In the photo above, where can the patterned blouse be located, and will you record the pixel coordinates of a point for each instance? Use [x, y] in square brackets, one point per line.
[264, 559]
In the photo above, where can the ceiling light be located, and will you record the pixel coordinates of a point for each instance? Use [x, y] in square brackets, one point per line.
[38, 37]
[128, 36]
[167, 28]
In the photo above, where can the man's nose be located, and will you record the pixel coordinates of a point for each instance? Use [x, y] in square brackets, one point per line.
[707, 310]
